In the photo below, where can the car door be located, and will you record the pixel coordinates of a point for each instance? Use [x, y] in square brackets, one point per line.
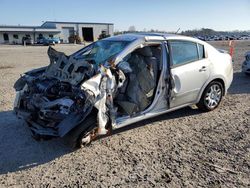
[189, 70]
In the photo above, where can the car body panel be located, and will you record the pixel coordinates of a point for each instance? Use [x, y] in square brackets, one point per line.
[246, 64]
[246, 68]
[189, 79]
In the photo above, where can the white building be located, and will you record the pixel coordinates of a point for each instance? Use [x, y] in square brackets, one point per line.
[86, 31]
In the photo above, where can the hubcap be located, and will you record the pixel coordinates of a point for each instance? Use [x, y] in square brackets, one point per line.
[213, 96]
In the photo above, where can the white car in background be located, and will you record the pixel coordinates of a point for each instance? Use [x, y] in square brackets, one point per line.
[246, 64]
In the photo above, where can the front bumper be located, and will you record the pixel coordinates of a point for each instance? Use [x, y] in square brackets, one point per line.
[42, 127]
[36, 129]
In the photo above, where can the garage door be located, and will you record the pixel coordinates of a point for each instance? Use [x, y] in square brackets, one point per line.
[66, 32]
[87, 33]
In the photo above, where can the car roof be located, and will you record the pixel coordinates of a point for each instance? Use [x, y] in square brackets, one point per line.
[151, 37]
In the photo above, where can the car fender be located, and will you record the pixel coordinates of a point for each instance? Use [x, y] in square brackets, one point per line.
[214, 77]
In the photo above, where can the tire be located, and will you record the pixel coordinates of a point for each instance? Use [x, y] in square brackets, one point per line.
[75, 136]
[211, 97]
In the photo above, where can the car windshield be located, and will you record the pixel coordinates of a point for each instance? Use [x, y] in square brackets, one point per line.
[101, 51]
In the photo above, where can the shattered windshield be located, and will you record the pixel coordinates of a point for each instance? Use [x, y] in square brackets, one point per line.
[101, 51]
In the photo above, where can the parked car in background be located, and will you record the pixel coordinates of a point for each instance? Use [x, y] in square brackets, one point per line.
[244, 37]
[246, 64]
[27, 40]
[118, 81]
[53, 41]
[48, 41]
[103, 35]
[40, 40]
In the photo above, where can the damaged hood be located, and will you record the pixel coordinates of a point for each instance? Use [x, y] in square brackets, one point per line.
[68, 68]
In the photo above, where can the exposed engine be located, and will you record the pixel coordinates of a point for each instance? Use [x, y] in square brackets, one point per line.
[51, 97]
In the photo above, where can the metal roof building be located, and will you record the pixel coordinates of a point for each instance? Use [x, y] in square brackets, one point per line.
[86, 31]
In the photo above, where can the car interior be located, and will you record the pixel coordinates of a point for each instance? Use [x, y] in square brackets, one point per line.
[137, 92]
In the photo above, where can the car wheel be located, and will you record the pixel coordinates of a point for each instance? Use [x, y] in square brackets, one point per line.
[80, 135]
[211, 97]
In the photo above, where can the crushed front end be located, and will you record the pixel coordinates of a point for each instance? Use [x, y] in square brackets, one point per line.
[55, 99]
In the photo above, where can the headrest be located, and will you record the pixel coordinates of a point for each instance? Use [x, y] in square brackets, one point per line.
[146, 51]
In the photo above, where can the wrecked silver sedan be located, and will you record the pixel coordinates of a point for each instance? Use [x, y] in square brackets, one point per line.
[118, 81]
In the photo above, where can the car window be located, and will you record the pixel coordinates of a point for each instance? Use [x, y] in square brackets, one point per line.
[201, 51]
[101, 51]
[183, 52]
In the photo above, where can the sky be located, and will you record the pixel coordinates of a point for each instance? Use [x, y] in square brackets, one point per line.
[165, 15]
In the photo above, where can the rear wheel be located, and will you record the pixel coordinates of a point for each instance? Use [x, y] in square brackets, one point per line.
[211, 96]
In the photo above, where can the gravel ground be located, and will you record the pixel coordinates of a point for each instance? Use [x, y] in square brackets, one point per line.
[185, 148]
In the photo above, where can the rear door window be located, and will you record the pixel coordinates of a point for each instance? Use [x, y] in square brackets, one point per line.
[201, 51]
[183, 52]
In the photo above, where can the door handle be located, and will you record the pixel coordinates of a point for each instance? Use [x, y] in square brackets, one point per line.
[203, 68]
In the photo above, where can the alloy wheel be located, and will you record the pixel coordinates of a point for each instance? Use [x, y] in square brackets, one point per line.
[213, 96]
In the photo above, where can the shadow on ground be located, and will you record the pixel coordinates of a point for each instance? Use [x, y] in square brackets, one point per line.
[18, 150]
[240, 84]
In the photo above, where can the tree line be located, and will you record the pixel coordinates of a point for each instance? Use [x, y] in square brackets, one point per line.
[194, 32]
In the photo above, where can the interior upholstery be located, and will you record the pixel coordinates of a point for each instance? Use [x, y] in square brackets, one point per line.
[142, 81]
